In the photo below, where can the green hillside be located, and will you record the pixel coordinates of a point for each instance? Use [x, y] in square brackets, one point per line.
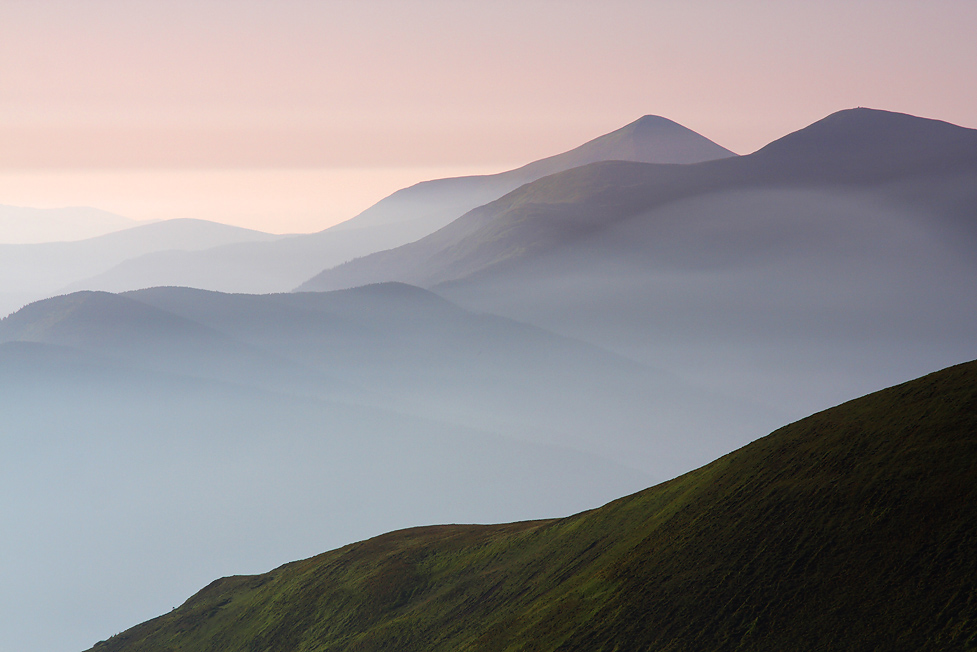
[853, 529]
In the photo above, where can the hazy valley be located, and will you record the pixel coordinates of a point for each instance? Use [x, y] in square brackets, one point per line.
[802, 265]
[184, 400]
[851, 529]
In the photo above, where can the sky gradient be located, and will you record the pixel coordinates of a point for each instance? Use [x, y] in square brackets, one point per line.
[110, 87]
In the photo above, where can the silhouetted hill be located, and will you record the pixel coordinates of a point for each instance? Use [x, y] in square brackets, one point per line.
[853, 529]
[138, 334]
[870, 145]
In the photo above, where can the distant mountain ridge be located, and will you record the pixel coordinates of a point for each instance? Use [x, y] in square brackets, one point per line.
[25, 225]
[649, 139]
[824, 251]
[34, 271]
[206, 430]
[862, 140]
[852, 529]
[404, 349]
[576, 339]
[851, 147]
[404, 216]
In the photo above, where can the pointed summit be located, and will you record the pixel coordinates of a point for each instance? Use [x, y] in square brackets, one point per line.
[649, 139]
[833, 153]
[425, 207]
[656, 139]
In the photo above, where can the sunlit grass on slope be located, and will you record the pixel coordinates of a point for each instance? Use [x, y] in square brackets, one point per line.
[853, 529]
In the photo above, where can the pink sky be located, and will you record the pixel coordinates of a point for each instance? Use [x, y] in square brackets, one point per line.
[110, 86]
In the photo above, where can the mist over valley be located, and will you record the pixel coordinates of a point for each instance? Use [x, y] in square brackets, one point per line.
[186, 400]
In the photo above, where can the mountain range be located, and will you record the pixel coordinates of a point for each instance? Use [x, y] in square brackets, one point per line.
[29, 272]
[23, 225]
[854, 150]
[259, 263]
[823, 251]
[203, 431]
[543, 345]
[852, 529]
[401, 348]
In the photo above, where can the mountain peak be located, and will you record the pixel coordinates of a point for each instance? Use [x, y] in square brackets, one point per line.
[883, 135]
[651, 121]
[427, 206]
[649, 139]
[877, 122]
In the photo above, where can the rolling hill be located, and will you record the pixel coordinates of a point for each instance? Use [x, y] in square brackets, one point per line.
[24, 225]
[143, 336]
[29, 272]
[852, 529]
[404, 349]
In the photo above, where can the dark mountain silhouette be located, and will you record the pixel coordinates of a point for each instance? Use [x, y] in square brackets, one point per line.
[853, 529]
[403, 217]
[870, 145]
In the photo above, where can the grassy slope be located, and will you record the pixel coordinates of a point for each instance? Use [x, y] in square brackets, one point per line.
[852, 529]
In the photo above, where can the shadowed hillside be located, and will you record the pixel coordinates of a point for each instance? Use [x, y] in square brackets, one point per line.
[853, 529]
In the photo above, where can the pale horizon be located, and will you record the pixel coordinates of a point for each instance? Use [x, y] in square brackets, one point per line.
[279, 201]
[105, 87]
